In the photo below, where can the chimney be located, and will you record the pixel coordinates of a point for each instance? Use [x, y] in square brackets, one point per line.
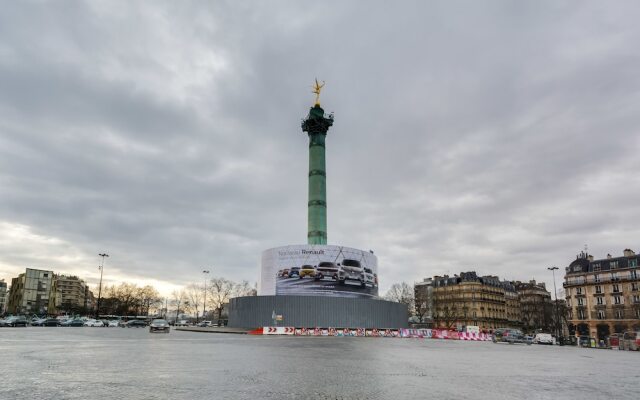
[629, 253]
[608, 256]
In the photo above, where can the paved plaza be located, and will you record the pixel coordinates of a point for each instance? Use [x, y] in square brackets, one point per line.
[129, 363]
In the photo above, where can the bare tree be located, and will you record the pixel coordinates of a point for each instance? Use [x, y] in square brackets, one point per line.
[244, 288]
[179, 301]
[195, 295]
[401, 293]
[148, 298]
[220, 290]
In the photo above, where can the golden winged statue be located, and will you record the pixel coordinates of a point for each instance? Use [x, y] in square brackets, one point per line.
[316, 89]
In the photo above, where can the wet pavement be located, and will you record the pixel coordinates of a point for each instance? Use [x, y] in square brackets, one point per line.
[130, 363]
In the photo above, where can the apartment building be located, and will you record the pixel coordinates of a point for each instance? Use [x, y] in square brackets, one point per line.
[29, 293]
[3, 296]
[536, 308]
[603, 296]
[68, 295]
[469, 299]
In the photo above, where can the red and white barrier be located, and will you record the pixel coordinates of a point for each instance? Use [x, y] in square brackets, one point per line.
[278, 330]
[362, 332]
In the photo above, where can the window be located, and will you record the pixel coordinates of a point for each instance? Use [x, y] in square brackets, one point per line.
[638, 313]
[596, 267]
[599, 301]
[598, 289]
[568, 303]
[619, 314]
[579, 290]
[580, 314]
[601, 314]
[633, 263]
[634, 286]
[636, 298]
[616, 288]
[581, 301]
[633, 274]
[614, 276]
[613, 264]
[617, 300]
[596, 278]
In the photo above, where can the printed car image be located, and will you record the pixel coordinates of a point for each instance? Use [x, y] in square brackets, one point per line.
[351, 270]
[369, 278]
[335, 271]
[307, 270]
[283, 273]
[327, 269]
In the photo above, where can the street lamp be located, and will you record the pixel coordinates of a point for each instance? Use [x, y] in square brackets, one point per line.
[204, 306]
[100, 267]
[553, 271]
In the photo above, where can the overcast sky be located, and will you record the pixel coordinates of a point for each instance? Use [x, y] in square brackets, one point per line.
[495, 136]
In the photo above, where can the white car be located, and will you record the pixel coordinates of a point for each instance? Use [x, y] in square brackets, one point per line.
[113, 323]
[93, 322]
[543, 338]
[351, 270]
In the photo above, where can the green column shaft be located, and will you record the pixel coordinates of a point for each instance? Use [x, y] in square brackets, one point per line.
[317, 216]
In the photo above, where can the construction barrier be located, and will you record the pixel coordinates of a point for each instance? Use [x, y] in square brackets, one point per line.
[361, 332]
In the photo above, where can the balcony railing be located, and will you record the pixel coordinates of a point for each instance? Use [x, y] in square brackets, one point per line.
[601, 279]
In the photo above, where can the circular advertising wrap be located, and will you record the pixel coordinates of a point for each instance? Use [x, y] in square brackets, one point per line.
[319, 270]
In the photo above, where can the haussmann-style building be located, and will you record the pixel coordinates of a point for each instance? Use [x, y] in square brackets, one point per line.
[603, 296]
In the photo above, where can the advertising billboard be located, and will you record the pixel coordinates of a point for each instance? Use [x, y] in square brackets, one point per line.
[319, 270]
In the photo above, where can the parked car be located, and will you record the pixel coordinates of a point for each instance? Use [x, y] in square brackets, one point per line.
[136, 323]
[38, 321]
[351, 270]
[159, 325]
[182, 322]
[93, 323]
[114, 323]
[205, 324]
[51, 322]
[295, 271]
[508, 335]
[73, 323]
[327, 269]
[307, 270]
[14, 321]
[630, 340]
[543, 338]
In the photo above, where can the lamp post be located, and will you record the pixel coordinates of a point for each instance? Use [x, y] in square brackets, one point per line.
[101, 267]
[204, 306]
[553, 271]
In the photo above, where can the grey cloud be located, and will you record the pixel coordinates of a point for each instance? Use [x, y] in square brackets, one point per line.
[467, 135]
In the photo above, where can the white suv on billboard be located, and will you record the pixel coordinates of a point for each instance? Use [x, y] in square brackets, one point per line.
[369, 278]
[351, 270]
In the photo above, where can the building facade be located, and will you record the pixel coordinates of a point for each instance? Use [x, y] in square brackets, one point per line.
[603, 296]
[469, 299]
[68, 295]
[536, 309]
[29, 293]
[3, 296]
[512, 304]
[423, 302]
